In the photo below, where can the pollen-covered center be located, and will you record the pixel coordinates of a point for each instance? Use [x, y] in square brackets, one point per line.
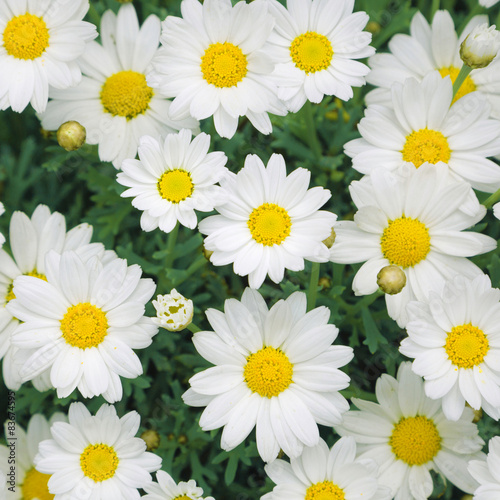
[183, 497]
[405, 242]
[84, 326]
[268, 372]
[426, 145]
[35, 486]
[467, 86]
[466, 346]
[224, 65]
[26, 37]
[175, 185]
[269, 224]
[99, 462]
[326, 490]
[127, 94]
[10, 289]
[311, 52]
[415, 440]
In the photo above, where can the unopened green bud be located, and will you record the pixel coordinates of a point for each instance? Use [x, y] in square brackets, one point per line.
[391, 279]
[151, 438]
[71, 136]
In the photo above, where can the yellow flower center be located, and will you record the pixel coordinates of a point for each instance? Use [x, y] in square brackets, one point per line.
[35, 486]
[84, 326]
[269, 224]
[127, 94]
[466, 346]
[405, 242]
[311, 52]
[426, 145]
[466, 87]
[415, 440]
[183, 497]
[99, 462]
[175, 185]
[26, 37]
[325, 490]
[268, 372]
[10, 289]
[224, 65]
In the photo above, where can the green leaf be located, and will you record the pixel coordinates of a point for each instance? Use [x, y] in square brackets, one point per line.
[372, 333]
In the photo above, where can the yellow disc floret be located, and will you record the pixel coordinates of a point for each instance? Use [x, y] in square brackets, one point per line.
[269, 224]
[268, 372]
[405, 242]
[426, 145]
[10, 289]
[415, 440]
[127, 94]
[175, 185]
[224, 65]
[84, 326]
[466, 87]
[466, 346]
[26, 37]
[99, 462]
[326, 490]
[311, 52]
[35, 486]
[183, 497]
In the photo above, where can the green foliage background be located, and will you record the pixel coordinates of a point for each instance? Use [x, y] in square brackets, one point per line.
[34, 169]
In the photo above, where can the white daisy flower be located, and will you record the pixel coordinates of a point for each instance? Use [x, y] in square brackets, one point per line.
[214, 61]
[496, 210]
[40, 41]
[314, 44]
[113, 102]
[420, 127]
[96, 457]
[323, 473]
[413, 222]
[172, 179]
[270, 222]
[408, 435]
[455, 340]
[82, 324]
[168, 489]
[429, 48]
[28, 482]
[487, 472]
[488, 3]
[30, 241]
[276, 370]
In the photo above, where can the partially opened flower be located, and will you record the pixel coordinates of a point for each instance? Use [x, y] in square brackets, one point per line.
[96, 457]
[113, 102]
[455, 340]
[480, 46]
[81, 324]
[167, 489]
[40, 42]
[173, 179]
[487, 472]
[276, 370]
[408, 435]
[173, 311]
[214, 62]
[270, 222]
[315, 45]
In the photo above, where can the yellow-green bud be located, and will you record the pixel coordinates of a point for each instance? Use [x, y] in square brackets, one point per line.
[391, 279]
[151, 438]
[325, 282]
[330, 240]
[71, 136]
[480, 46]
[373, 27]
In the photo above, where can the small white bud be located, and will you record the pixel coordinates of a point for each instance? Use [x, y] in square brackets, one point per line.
[391, 279]
[173, 311]
[480, 46]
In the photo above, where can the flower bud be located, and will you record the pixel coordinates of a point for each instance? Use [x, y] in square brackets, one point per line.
[71, 136]
[480, 46]
[391, 279]
[173, 312]
[330, 240]
[151, 438]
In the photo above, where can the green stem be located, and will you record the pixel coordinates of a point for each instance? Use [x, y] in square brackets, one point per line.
[491, 200]
[197, 264]
[193, 328]
[367, 300]
[312, 293]
[354, 392]
[311, 135]
[464, 73]
[171, 241]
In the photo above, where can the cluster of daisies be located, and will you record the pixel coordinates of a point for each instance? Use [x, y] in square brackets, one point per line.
[72, 312]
